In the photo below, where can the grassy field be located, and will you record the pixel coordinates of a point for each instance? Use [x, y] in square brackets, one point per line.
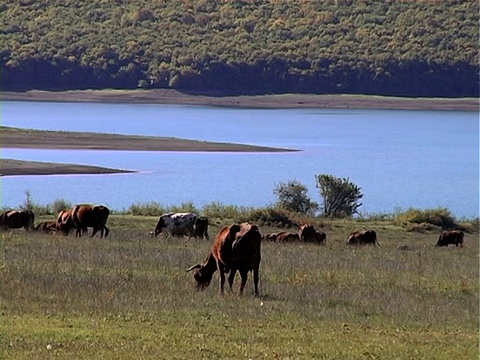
[128, 297]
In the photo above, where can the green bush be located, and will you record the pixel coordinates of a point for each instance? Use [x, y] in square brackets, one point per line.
[440, 217]
[270, 217]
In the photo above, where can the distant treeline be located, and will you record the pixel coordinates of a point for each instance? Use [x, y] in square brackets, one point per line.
[392, 47]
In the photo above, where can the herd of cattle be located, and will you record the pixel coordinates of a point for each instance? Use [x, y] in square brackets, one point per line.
[235, 248]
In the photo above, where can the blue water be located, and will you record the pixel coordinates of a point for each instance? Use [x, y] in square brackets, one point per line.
[400, 159]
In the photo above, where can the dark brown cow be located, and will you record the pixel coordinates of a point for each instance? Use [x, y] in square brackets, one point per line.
[454, 237]
[200, 228]
[94, 216]
[236, 247]
[321, 237]
[363, 238]
[308, 233]
[16, 219]
[65, 221]
[47, 226]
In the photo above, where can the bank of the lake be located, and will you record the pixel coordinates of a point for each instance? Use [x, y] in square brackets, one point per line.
[279, 101]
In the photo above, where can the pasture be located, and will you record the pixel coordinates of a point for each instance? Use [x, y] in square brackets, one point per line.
[128, 296]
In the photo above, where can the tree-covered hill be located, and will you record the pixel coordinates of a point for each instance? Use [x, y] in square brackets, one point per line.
[390, 47]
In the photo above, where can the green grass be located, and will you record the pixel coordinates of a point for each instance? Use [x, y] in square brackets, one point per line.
[128, 297]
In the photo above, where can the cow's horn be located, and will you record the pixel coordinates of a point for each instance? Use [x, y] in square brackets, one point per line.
[194, 267]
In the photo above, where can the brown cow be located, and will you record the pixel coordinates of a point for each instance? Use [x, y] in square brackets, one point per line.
[363, 238]
[47, 226]
[236, 247]
[454, 237]
[308, 233]
[94, 216]
[282, 236]
[65, 221]
[16, 219]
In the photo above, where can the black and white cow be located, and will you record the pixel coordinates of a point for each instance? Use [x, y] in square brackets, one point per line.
[176, 224]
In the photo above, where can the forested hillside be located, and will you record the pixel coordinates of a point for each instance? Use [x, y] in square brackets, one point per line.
[403, 48]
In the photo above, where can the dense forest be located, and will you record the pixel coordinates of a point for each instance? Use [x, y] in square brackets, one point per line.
[390, 47]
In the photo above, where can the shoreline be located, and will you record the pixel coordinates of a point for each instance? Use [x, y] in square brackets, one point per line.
[277, 101]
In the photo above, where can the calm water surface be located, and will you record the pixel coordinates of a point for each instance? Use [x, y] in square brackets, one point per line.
[400, 159]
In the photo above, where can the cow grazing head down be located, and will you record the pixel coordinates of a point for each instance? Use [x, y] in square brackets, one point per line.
[363, 238]
[454, 237]
[236, 248]
[308, 233]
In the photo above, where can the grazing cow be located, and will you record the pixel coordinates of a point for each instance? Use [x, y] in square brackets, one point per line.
[363, 238]
[94, 216]
[454, 237]
[65, 221]
[201, 227]
[176, 224]
[16, 219]
[283, 236]
[47, 226]
[236, 247]
[308, 233]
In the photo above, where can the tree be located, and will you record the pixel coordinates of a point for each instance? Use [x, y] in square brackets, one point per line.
[293, 196]
[340, 196]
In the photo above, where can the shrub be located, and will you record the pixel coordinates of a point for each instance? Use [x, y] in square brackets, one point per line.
[220, 211]
[270, 217]
[59, 205]
[440, 217]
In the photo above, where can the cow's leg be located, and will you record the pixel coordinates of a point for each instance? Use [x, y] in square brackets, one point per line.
[255, 280]
[106, 231]
[231, 277]
[222, 280]
[244, 275]
[94, 232]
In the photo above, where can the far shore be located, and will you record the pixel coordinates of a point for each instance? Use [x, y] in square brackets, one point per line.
[281, 101]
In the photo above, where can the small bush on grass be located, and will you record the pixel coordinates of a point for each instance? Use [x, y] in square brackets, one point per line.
[270, 217]
[440, 217]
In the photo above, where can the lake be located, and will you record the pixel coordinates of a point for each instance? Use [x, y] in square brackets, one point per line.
[400, 159]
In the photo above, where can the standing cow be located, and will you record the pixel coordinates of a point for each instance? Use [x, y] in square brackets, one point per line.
[94, 216]
[454, 237]
[16, 219]
[236, 247]
[176, 224]
[65, 221]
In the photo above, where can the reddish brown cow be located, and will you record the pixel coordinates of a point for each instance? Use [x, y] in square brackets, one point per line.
[363, 238]
[16, 219]
[94, 216]
[454, 237]
[236, 247]
[65, 222]
[47, 226]
[282, 236]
